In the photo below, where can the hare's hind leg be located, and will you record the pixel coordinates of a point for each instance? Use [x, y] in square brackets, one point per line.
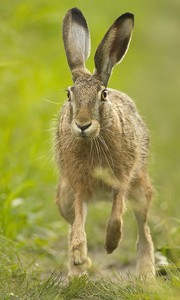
[74, 212]
[141, 194]
[65, 201]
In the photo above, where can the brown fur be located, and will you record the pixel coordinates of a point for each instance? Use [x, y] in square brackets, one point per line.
[108, 134]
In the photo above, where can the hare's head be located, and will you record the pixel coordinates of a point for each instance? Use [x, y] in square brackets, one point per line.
[89, 96]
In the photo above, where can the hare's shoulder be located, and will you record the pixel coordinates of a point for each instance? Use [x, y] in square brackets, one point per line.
[123, 101]
[128, 111]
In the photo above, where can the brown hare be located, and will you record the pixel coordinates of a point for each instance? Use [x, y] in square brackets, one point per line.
[100, 129]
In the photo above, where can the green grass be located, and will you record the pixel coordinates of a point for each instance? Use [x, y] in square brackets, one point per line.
[21, 285]
[34, 74]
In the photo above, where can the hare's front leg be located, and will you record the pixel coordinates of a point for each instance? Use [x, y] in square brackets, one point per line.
[141, 197]
[74, 211]
[79, 261]
[114, 227]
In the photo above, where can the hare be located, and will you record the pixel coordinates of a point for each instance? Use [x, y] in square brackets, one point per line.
[100, 129]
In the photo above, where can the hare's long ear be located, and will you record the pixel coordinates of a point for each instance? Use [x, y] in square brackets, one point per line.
[76, 38]
[113, 46]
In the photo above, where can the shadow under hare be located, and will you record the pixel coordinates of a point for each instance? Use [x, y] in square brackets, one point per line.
[100, 131]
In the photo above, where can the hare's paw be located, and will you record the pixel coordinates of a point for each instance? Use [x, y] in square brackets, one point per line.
[79, 253]
[79, 248]
[113, 235]
[79, 261]
[79, 270]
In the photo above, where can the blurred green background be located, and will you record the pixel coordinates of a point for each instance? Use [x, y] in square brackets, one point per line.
[33, 77]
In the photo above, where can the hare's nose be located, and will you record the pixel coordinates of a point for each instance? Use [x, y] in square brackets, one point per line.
[83, 127]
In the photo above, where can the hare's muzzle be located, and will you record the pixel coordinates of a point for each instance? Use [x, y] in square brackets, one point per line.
[88, 129]
[83, 127]
[82, 123]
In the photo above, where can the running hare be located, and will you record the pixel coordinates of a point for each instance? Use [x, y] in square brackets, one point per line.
[100, 129]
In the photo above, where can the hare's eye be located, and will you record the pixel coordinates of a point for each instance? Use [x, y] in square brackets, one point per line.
[104, 95]
[69, 95]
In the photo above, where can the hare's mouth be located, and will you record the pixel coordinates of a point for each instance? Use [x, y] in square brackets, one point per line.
[84, 135]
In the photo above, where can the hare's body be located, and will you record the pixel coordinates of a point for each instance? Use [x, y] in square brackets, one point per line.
[101, 142]
[121, 146]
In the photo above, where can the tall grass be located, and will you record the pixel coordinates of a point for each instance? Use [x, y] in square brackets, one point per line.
[34, 75]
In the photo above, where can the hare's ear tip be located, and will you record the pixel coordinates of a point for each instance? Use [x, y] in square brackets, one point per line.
[126, 16]
[129, 15]
[75, 11]
[77, 16]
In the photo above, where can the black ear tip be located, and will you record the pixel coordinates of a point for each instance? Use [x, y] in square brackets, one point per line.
[125, 16]
[75, 10]
[75, 13]
[77, 17]
[128, 16]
